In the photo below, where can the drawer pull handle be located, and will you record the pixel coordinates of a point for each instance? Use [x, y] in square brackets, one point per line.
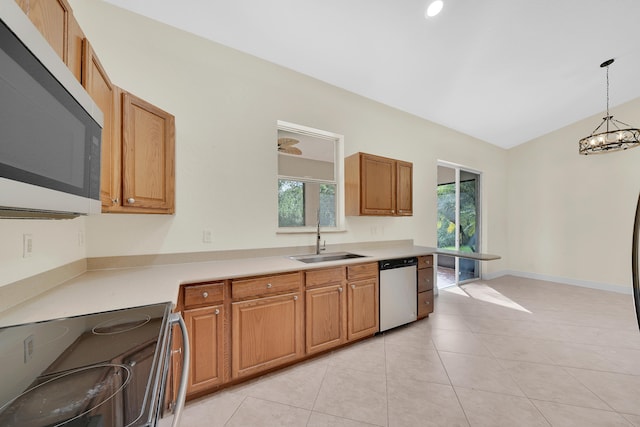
[205, 294]
[216, 312]
[269, 285]
[178, 351]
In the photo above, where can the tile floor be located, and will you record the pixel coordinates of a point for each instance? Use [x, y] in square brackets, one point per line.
[506, 352]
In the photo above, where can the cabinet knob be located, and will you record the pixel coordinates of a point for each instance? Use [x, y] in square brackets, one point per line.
[427, 302]
[216, 312]
[295, 297]
[353, 286]
[205, 294]
[178, 351]
[269, 285]
[115, 201]
[131, 200]
[340, 289]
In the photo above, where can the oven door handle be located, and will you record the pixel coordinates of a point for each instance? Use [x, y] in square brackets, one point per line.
[182, 389]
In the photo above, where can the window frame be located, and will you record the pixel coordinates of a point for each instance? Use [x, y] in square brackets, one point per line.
[338, 177]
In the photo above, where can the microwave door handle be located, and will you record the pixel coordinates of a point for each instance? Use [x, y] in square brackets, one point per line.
[182, 389]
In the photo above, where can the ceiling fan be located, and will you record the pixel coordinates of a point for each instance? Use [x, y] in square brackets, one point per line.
[286, 145]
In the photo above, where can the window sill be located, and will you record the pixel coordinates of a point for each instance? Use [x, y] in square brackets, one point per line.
[310, 230]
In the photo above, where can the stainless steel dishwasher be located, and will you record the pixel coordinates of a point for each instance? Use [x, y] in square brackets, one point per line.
[398, 292]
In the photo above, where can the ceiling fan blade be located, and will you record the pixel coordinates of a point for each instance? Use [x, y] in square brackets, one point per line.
[291, 150]
[287, 142]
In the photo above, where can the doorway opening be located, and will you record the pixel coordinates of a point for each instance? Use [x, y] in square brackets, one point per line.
[458, 225]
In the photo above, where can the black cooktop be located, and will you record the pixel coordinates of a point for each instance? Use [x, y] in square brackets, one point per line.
[102, 369]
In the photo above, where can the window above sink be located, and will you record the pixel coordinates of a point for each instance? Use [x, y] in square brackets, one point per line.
[310, 179]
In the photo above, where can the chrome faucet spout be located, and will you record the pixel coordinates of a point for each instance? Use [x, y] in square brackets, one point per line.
[318, 235]
[318, 239]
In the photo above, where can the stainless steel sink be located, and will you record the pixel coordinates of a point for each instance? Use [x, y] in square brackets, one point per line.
[331, 256]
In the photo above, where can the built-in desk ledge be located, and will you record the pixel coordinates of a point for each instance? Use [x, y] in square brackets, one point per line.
[470, 255]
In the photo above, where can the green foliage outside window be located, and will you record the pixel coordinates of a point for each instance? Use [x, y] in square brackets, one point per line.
[290, 203]
[447, 215]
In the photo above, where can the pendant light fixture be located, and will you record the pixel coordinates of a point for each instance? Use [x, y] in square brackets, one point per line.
[613, 138]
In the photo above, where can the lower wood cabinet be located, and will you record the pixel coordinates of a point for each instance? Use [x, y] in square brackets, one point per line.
[425, 303]
[266, 332]
[239, 328]
[425, 285]
[326, 314]
[362, 308]
[206, 338]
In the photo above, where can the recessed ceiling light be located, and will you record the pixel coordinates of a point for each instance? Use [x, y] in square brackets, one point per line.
[434, 8]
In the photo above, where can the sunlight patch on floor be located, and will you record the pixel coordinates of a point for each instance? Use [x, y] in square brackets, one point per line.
[485, 293]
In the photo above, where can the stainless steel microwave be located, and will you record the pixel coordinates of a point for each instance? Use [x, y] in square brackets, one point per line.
[50, 129]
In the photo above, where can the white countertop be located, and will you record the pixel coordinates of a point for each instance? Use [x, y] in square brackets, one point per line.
[111, 289]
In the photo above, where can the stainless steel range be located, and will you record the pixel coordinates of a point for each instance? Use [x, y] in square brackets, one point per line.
[101, 370]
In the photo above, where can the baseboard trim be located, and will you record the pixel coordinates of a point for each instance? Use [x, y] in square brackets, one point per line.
[563, 280]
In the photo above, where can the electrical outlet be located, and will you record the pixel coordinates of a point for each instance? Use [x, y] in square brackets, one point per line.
[27, 245]
[206, 236]
[28, 348]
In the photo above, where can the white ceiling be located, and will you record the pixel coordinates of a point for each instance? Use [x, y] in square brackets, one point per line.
[504, 71]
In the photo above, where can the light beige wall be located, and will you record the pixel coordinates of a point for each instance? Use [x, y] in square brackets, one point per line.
[226, 105]
[571, 216]
[55, 243]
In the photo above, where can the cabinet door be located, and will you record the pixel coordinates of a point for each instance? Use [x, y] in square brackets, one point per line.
[148, 137]
[266, 332]
[404, 187]
[97, 83]
[326, 317]
[362, 309]
[51, 18]
[205, 328]
[378, 185]
[75, 45]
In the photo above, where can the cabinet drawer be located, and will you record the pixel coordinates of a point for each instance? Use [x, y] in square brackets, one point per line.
[425, 303]
[266, 285]
[362, 271]
[425, 261]
[323, 277]
[206, 293]
[425, 279]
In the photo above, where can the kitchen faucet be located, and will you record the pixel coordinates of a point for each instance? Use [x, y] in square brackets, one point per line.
[318, 249]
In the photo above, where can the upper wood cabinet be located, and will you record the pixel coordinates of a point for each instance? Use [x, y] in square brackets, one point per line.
[148, 157]
[376, 185]
[138, 139]
[404, 188]
[54, 19]
[106, 95]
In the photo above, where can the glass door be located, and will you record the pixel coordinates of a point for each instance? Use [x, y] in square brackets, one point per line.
[458, 223]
